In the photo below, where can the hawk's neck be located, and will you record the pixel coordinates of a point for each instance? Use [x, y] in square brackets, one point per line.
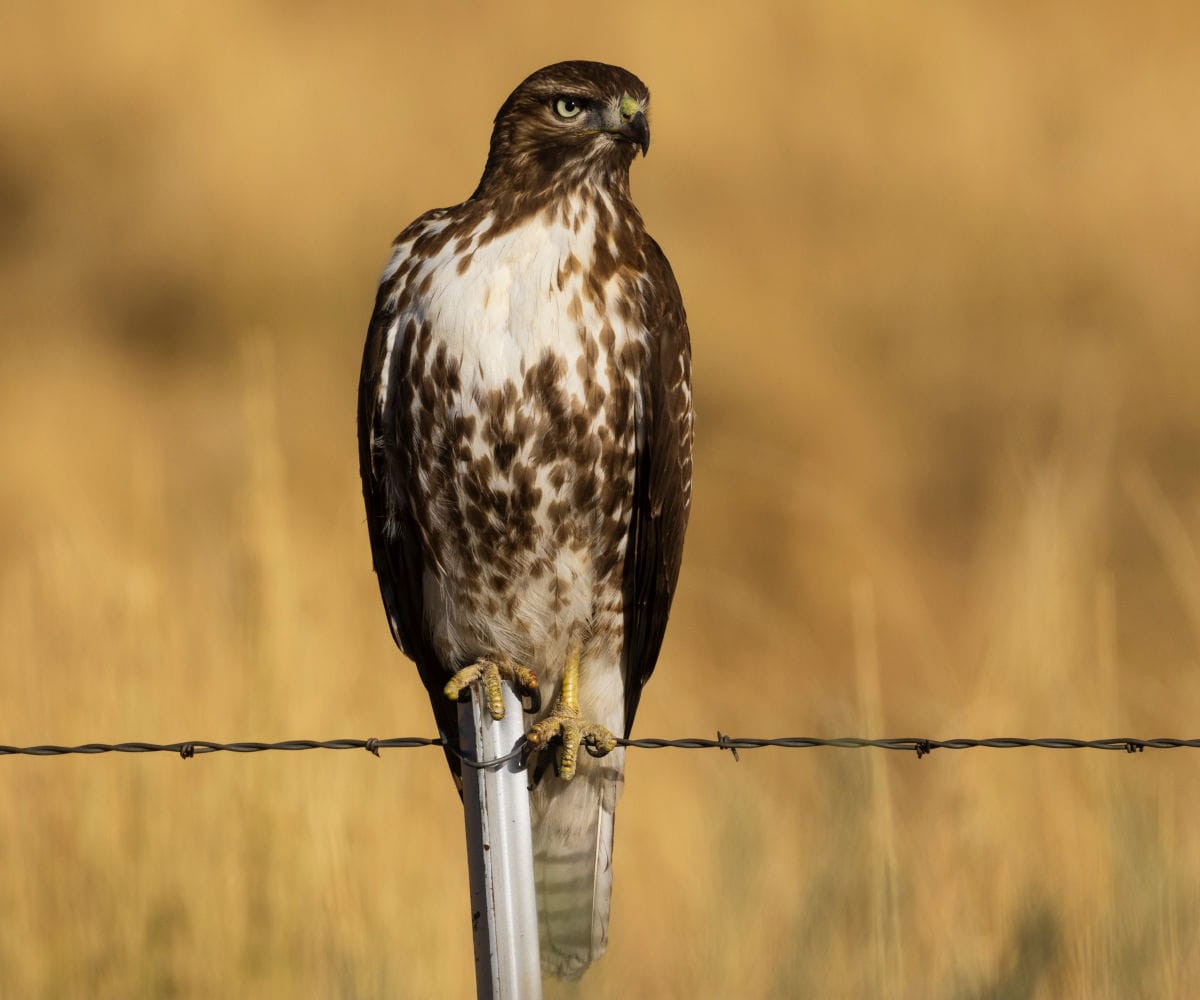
[590, 187]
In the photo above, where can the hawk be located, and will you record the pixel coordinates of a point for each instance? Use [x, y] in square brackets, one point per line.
[525, 444]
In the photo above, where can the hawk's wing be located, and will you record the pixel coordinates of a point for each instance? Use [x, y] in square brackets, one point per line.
[662, 492]
[385, 463]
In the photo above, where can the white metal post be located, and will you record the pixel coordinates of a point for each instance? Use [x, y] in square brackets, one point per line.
[499, 854]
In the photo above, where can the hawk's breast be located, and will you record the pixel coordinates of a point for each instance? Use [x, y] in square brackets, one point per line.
[520, 360]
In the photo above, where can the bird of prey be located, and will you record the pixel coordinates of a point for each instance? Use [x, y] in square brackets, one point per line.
[525, 444]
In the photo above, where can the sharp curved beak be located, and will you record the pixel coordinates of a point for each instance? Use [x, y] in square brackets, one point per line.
[637, 130]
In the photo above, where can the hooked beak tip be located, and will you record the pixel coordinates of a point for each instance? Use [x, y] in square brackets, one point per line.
[637, 131]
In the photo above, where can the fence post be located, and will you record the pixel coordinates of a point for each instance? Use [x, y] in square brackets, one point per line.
[499, 854]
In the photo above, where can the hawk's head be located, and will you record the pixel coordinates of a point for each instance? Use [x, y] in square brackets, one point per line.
[569, 119]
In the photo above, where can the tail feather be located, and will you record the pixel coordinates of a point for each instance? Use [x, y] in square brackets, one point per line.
[572, 866]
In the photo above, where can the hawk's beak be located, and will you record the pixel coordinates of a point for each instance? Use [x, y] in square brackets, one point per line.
[628, 120]
[637, 130]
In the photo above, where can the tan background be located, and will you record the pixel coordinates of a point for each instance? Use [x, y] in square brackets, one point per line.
[941, 267]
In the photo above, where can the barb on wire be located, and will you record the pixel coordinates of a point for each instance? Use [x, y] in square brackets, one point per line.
[913, 744]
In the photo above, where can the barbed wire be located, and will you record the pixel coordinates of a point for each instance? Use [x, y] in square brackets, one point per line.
[921, 746]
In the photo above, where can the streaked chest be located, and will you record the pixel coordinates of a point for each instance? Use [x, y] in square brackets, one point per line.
[523, 360]
[500, 303]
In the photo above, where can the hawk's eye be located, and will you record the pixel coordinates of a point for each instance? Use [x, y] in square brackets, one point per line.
[567, 107]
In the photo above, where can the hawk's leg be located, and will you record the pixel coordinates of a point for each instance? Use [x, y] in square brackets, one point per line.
[487, 672]
[567, 722]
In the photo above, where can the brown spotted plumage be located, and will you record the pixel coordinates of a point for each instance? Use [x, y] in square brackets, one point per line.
[525, 442]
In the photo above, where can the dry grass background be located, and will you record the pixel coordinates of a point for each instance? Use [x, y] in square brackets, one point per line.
[941, 266]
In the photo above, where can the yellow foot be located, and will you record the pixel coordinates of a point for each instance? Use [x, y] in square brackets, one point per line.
[488, 672]
[567, 722]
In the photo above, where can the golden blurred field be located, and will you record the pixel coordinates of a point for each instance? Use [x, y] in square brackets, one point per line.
[941, 267]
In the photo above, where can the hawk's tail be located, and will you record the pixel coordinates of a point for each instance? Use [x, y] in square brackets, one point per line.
[572, 864]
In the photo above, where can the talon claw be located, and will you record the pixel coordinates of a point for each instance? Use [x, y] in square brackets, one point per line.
[600, 747]
[487, 673]
[566, 725]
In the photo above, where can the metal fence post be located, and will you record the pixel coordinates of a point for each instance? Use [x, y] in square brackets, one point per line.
[500, 854]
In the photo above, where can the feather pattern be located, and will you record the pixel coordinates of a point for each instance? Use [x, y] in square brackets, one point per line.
[525, 434]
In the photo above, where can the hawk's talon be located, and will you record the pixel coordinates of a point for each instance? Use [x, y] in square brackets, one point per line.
[567, 725]
[597, 748]
[487, 673]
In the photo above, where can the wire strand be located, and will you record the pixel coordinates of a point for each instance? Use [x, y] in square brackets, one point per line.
[921, 746]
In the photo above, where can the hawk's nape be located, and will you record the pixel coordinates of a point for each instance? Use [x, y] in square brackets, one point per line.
[525, 443]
